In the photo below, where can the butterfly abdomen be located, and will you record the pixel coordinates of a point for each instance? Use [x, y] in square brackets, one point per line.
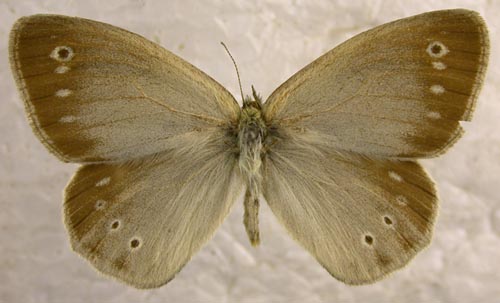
[251, 133]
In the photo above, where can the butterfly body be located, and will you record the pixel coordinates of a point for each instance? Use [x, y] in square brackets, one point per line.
[252, 133]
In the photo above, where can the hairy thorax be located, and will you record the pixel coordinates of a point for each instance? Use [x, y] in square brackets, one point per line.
[252, 132]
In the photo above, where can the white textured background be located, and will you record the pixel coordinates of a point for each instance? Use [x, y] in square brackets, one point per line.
[270, 41]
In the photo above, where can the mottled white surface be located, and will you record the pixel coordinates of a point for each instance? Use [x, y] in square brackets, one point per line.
[270, 41]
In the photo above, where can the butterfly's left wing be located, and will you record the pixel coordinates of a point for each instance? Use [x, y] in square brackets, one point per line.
[94, 92]
[361, 218]
[142, 220]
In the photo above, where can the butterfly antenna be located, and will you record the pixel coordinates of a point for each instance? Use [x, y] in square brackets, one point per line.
[236, 67]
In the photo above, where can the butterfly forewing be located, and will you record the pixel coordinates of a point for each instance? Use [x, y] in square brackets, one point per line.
[94, 92]
[398, 90]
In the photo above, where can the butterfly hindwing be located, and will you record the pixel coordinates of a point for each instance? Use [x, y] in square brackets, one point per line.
[361, 218]
[141, 221]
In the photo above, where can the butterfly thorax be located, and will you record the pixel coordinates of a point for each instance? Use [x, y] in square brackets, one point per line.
[251, 134]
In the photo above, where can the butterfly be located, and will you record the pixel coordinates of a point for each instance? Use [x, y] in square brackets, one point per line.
[165, 150]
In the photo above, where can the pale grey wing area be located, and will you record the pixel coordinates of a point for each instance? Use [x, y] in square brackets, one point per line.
[398, 90]
[361, 218]
[141, 221]
[94, 92]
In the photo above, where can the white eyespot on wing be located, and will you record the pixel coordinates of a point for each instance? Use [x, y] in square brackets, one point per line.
[61, 69]
[103, 182]
[401, 200]
[388, 220]
[67, 119]
[115, 225]
[368, 239]
[438, 65]
[100, 204]
[62, 54]
[437, 49]
[434, 115]
[135, 243]
[394, 176]
[62, 93]
[437, 89]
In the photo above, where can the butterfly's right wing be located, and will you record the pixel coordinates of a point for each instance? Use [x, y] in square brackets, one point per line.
[398, 90]
[361, 218]
[94, 92]
[338, 126]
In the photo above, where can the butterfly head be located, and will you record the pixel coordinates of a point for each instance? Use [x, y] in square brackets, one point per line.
[251, 117]
[253, 101]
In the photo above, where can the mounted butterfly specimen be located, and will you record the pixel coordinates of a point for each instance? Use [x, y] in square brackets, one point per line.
[165, 150]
